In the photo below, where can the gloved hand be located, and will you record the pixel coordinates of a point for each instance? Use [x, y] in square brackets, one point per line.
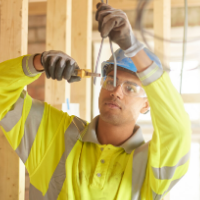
[115, 24]
[58, 65]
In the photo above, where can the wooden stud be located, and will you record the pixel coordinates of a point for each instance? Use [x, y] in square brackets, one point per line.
[131, 4]
[14, 29]
[81, 52]
[37, 8]
[13, 43]
[191, 98]
[180, 3]
[58, 37]
[162, 28]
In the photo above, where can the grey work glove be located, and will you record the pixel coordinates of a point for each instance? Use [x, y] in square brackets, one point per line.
[58, 65]
[115, 24]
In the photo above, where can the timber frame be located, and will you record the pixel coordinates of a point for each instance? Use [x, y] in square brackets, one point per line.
[65, 31]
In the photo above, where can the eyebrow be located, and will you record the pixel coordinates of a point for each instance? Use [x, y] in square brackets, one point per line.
[133, 83]
[112, 76]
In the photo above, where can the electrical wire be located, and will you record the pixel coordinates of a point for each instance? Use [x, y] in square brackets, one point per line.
[184, 43]
[142, 4]
[99, 55]
[98, 58]
[138, 25]
[115, 63]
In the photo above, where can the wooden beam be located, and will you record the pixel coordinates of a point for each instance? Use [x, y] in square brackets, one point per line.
[121, 4]
[38, 7]
[58, 37]
[13, 43]
[132, 4]
[180, 3]
[162, 28]
[191, 98]
[81, 52]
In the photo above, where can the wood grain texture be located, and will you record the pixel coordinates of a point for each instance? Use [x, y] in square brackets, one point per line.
[38, 7]
[191, 98]
[81, 52]
[14, 29]
[13, 43]
[162, 28]
[58, 37]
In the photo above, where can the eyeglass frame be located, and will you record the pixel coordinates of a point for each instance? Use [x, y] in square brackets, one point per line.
[121, 84]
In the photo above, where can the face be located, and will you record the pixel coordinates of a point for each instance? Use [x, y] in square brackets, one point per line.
[117, 108]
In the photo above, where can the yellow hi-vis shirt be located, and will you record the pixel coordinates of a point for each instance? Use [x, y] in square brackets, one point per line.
[64, 158]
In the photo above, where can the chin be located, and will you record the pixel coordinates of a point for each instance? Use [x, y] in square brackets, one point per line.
[112, 118]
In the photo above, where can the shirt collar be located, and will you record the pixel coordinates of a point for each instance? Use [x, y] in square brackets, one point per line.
[129, 145]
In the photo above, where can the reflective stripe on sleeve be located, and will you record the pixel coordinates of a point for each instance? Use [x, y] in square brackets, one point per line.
[28, 67]
[14, 115]
[168, 172]
[160, 196]
[140, 158]
[30, 129]
[150, 75]
[55, 185]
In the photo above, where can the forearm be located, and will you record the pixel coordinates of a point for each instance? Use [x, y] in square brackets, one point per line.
[37, 63]
[141, 61]
[15, 74]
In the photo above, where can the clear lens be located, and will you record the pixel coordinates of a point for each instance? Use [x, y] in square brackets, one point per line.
[128, 88]
[108, 83]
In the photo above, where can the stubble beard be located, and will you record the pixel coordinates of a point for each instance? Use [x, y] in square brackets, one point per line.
[111, 117]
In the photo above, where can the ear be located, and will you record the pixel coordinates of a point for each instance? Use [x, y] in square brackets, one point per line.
[145, 107]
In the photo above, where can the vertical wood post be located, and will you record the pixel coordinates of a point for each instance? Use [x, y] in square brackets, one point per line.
[81, 52]
[162, 28]
[58, 37]
[13, 43]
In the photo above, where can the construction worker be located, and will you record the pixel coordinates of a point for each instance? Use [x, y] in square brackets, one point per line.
[68, 158]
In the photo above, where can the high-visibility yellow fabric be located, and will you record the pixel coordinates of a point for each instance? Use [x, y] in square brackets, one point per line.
[95, 171]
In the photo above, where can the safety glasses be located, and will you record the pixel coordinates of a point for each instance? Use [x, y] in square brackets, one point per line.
[128, 88]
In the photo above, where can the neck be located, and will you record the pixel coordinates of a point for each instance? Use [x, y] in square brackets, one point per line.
[114, 134]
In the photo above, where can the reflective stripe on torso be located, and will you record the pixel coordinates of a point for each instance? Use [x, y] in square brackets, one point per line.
[64, 185]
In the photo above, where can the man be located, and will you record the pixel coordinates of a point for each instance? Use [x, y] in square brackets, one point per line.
[107, 159]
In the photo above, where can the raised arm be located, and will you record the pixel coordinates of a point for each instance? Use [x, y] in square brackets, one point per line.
[168, 151]
[33, 127]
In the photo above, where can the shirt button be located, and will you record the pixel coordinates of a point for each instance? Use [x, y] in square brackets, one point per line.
[102, 161]
[99, 175]
[101, 148]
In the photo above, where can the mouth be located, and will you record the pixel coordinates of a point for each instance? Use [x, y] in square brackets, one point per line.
[113, 105]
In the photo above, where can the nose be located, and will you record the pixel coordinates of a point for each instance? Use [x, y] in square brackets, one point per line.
[117, 92]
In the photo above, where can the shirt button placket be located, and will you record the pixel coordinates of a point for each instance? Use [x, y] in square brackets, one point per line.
[102, 161]
[99, 175]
